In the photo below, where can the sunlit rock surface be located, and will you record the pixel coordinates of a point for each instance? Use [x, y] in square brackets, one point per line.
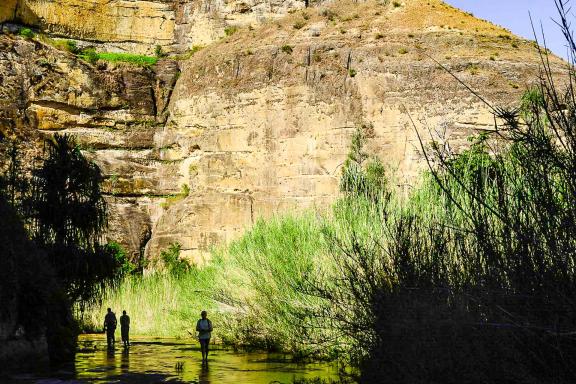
[139, 25]
[257, 123]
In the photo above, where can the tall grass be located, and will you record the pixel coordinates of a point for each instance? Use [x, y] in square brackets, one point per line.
[250, 290]
[261, 276]
[140, 60]
[159, 304]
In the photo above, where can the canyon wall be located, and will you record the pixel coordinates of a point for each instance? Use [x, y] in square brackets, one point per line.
[139, 26]
[257, 123]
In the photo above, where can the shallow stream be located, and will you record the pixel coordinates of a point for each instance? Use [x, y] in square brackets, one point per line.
[151, 360]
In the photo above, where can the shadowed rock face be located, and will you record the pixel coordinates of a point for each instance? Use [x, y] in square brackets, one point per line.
[112, 111]
[259, 123]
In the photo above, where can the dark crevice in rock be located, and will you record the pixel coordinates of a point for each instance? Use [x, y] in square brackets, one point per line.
[72, 109]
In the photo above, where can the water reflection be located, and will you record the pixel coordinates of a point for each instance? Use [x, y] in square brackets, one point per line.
[111, 355]
[175, 361]
[125, 365]
[203, 376]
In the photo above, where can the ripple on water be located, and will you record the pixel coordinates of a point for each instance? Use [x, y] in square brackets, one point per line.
[174, 361]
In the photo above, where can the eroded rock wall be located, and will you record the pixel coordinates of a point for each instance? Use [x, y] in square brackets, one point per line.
[133, 25]
[139, 26]
[7, 10]
[259, 123]
[112, 110]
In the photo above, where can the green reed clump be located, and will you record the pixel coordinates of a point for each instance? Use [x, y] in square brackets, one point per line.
[261, 276]
[159, 304]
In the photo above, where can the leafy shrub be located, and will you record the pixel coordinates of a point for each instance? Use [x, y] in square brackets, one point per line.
[230, 30]
[299, 24]
[175, 265]
[90, 55]
[158, 51]
[329, 14]
[26, 32]
[125, 266]
[71, 46]
[287, 49]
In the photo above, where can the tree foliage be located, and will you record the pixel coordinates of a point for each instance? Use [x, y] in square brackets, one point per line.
[66, 213]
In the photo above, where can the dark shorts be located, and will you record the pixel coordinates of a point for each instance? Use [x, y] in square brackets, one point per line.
[204, 342]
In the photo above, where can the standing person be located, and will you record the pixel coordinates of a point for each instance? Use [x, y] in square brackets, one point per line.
[204, 328]
[125, 328]
[110, 327]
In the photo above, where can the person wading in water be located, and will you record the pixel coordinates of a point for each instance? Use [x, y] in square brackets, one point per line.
[110, 327]
[125, 328]
[204, 328]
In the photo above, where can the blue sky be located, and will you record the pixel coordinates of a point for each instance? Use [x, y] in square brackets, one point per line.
[513, 15]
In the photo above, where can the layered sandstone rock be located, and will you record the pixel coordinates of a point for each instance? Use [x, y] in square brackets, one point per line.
[259, 123]
[112, 111]
[125, 24]
[7, 10]
[141, 25]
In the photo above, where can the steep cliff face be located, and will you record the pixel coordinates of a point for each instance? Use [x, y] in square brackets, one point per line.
[140, 25]
[112, 110]
[259, 123]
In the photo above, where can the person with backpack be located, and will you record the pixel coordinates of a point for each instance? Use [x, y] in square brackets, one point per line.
[204, 328]
[110, 327]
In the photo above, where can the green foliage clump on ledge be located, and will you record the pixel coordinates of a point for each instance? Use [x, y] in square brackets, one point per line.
[90, 55]
[140, 60]
[26, 32]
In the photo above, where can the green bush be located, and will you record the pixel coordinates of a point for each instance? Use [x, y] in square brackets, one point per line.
[230, 30]
[125, 266]
[26, 32]
[299, 24]
[90, 55]
[172, 261]
[287, 49]
[72, 47]
[158, 51]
